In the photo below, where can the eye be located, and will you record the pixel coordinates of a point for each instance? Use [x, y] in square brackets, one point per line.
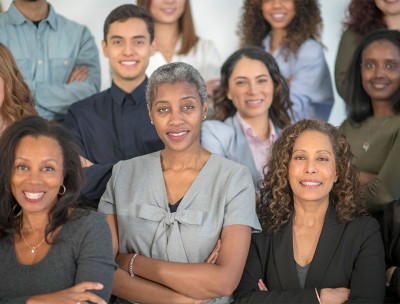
[188, 107]
[163, 110]
[322, 158]
[138, 42]
[48, 169]
[299, 157]
[240, 82]
[391, 66]
[369, 65]
[262, 80]
[22, 168]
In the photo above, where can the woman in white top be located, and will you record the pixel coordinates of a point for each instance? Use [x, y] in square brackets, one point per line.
[176, 40]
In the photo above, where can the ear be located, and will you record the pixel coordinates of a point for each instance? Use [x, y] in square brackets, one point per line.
[153, 47]
[205, 108]
[104, 47]
[228, 95]
[149, 111]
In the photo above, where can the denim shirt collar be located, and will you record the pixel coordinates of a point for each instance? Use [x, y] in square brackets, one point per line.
[17, 18]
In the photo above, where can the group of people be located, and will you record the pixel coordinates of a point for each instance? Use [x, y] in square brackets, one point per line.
[264, 202]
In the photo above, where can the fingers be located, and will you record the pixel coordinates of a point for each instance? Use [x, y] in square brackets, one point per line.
[213, 257]
[78, 73]
[85, 162]
[261, 285]
[83, 286]
[90, 297]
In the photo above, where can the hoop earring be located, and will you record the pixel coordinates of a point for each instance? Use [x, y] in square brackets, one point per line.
[64, 190]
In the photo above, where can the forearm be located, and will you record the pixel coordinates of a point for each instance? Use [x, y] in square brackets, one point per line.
[274, 296]
[143, 291]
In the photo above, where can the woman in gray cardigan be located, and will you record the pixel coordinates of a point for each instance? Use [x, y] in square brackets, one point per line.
[168, 209]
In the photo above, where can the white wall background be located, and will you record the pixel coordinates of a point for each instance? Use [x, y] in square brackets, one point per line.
[214, 19]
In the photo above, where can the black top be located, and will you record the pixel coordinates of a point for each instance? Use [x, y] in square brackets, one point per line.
[111, 126]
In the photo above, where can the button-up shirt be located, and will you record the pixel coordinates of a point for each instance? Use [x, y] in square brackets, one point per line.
[47, 53]
[111, 126]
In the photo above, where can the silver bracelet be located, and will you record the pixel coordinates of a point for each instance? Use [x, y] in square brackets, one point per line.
[131, 265]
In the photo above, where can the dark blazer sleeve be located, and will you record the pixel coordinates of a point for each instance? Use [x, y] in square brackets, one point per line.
[259, 257]
[368, 277]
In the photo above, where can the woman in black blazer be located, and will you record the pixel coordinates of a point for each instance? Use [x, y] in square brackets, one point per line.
[318, 245]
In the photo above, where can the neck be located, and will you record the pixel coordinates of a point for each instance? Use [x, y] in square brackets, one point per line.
[193, 158]
[277, 36]
[260, 125]
[34, 11]
[382, 108]
[310, 213]
[392, 22]
[166, 36]
[129, 85]
[34, 222]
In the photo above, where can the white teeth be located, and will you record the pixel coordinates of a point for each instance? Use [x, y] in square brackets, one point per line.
[178, 134]
[310, 183]
[254, 101]
[34, 195]
[278, 15]
[129, 62]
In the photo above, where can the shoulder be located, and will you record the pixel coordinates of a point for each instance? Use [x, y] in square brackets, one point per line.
[310, 48]
[70, 24]
[137, 164]
[363, 226]
[87, 105]
[218, 127]
[229, 167]
[349, 36]
[85, 221]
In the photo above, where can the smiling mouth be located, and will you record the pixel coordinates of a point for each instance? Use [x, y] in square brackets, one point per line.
[310, 184]
[129, 62]
[33, 195]
[254, 102]
[177, 134]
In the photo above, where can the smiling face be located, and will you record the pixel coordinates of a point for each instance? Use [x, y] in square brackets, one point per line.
[38, 173]
[278, 13]
[389, 7]
[167, 11]
[312, 168]
[128, 49]
[251, 88]
[177, 113]
[380, 70]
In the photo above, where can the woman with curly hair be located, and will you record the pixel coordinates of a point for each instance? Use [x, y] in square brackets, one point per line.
[15, 99]
[317, 244]
[290, 30]
[364, 16]
[251, 107]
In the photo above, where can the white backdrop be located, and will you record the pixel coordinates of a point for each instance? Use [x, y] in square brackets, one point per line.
[214, 19]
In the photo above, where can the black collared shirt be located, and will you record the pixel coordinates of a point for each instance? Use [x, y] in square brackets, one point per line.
[111, 126]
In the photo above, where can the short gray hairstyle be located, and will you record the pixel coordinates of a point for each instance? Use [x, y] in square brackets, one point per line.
[172, 73]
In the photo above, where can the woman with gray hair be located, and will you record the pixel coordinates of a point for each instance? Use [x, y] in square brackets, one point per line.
[169, 209]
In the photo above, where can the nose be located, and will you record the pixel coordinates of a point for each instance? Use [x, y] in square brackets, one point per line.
[276, 3]
[35, 177]
[252, 88]
[175, 118]
[310, 166]
[379, 71]
[128, 49]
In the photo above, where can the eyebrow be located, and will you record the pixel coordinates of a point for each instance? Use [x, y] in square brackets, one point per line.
[318, 151]
[134, 37]
[43, 161]
[258, 76]
[180, 99]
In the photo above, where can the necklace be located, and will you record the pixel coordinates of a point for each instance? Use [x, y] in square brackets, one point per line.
[368, 141]
[33, 248]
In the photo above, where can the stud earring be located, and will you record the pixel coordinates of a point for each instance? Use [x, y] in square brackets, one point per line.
[204, 117]
[152, 122]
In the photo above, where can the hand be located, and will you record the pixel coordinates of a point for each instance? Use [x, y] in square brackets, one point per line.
[389, 274]
[213, 257]
[211, 86]
[73, 295]
[334, 295]
[366, 177]
[261, 285]
[85, 162]
[78, 73]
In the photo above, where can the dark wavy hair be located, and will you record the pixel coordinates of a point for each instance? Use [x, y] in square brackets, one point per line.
[275, 205]
[186, 26]
[364, 17]
[360, 104]
[307, 23]
[281, 106]
[18, 101]
[36, 126]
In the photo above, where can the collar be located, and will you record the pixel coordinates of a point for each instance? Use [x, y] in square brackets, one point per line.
[138, 94]
[249, 131]
[16, 17]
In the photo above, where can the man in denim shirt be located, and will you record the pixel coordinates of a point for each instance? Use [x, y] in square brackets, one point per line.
[58, 57]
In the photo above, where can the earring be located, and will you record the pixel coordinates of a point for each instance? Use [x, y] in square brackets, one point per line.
[63, 190]
[152, 122]
[204, 117]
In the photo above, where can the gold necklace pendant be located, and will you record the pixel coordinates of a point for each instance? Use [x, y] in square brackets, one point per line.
[33, 248]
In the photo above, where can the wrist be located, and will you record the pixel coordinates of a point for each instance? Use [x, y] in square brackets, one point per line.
[130, 266]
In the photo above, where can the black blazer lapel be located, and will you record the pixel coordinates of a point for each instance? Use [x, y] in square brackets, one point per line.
[282, 246]
[328, 242]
